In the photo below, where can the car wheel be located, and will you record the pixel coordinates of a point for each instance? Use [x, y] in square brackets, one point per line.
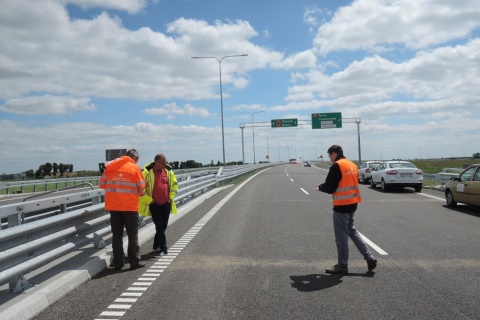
[449, 197]
[384, 186]
[372, 184]
[418, 189]
[362, 179]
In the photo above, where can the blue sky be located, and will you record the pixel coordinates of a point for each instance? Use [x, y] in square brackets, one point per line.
[78, 77]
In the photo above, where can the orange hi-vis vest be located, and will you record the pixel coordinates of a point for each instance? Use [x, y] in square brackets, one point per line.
[347, 191]
[123, 183]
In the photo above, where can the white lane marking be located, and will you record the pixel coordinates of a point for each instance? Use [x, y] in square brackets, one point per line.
[433, 197]
[164, 261]
[112, 314]
[291, 180]
[373, 245]
[304, 191]
[119, 306]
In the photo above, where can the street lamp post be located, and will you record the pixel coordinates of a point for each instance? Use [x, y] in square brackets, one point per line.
[242, 126]
[253, 133]
[221, 93]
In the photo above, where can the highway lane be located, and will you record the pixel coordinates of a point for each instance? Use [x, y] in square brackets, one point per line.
[263, 252]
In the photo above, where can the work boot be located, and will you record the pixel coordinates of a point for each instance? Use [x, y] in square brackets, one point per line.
[371, 264]
[337, 270]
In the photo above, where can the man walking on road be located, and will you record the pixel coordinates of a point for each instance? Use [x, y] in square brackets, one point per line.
[123, 183]
[342, 184]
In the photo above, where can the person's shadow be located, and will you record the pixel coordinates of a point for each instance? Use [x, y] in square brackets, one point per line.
[315, 282]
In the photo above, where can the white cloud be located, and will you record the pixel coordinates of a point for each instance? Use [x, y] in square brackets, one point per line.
[130, 6]
[47, 104]
[100, 57]
[365, 24]
[172, 109]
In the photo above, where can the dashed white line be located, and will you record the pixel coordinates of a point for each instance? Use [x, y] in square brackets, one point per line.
[304, 191]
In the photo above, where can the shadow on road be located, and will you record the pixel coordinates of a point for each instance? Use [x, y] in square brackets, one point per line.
[315, 282]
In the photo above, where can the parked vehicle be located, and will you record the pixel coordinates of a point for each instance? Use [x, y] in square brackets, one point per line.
[465, 188]
[397, 174]
[365, 171]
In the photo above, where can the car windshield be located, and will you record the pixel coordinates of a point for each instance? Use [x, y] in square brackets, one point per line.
[402, 165]
[467, 174]
[373, 165]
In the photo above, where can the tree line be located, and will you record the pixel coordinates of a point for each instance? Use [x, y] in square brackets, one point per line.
[48, 169]
[189, 164]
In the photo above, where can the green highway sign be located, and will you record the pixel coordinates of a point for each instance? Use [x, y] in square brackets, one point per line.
[279, 123]
[326, 120]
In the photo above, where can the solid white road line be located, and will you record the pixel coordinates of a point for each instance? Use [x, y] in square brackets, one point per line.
[304, 190]
[433, 197]
[373, 245]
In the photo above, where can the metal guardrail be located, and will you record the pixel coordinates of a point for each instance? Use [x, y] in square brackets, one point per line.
[442, 178]
[45, 184]
[26, 245]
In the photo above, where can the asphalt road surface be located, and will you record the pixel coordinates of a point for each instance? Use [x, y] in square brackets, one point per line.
[259, 251]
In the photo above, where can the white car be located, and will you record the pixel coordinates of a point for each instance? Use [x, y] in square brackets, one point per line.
[365, 171]
[397, 174]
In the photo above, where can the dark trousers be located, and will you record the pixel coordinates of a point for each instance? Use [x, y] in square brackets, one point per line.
[160, 215]
[129, 220]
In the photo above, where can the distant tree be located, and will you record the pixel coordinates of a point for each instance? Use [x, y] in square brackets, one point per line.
[38, 173]
[193, 164]
[182, 165]
[176, 164]
[55, 168]
[476, 155]
[47, 169]
[29, 173]
[70, 168]
[41, 168]
[219, 163]
[61, 169]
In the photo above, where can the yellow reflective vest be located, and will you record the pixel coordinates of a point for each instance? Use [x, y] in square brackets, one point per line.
[149, 177]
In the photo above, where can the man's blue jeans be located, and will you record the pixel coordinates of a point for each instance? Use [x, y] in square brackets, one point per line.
[344, 229]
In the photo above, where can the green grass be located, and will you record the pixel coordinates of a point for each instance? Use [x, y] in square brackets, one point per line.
[436, 166]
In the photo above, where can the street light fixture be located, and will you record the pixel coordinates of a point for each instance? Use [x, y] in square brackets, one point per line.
[253, 131]
[221, 94]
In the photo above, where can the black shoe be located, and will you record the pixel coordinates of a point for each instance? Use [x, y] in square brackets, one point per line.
[139, 265]
[118, 268]
[165, 250]
[157, 253]
[371, 264]
[337, 270]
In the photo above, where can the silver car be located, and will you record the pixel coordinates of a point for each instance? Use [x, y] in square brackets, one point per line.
[397, 174]
[365, 171]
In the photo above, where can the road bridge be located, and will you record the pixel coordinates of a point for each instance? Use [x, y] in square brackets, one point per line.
[258, 250]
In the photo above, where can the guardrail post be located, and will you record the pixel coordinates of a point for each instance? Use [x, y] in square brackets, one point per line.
[98, 241]
[63, 208]
[219, 174]
[19, 284]
[96, 200]
[14, 220]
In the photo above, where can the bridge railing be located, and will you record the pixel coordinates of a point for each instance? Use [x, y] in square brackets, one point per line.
[38, 231]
